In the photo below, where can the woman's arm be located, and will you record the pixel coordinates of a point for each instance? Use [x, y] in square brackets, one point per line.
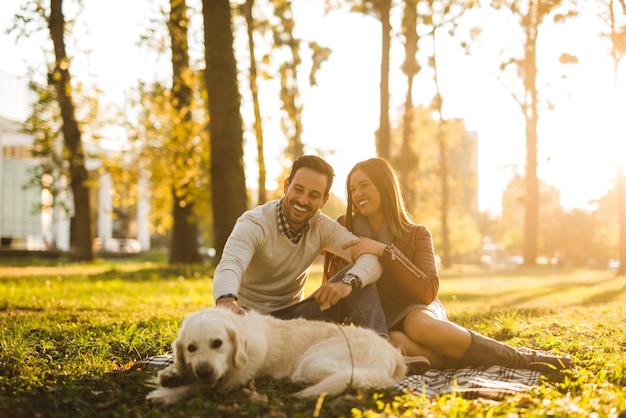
[417, 275]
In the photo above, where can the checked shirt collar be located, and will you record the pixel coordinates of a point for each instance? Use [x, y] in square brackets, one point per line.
[283, 226]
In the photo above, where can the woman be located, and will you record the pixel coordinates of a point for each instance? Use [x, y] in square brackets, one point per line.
[408, 287]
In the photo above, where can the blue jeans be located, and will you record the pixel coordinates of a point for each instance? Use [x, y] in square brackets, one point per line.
[362, 308]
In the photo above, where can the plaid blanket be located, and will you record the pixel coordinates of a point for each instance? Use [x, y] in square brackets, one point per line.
[494, 382]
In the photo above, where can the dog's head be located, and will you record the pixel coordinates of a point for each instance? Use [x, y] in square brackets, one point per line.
[211, 345]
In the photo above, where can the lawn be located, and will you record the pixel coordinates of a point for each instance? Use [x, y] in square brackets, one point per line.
[72, 336]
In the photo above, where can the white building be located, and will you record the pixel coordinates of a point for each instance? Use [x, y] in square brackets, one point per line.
[25, 223]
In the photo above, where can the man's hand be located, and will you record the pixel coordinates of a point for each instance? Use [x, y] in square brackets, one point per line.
[365, 246]
[329, 294]
[230, 303]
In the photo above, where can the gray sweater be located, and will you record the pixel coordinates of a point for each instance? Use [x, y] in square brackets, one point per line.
[267, 271]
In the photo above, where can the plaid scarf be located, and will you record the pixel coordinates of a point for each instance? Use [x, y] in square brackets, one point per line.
[284, 228]
[361, 228]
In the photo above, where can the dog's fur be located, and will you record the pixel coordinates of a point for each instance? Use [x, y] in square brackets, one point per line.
[216, 348]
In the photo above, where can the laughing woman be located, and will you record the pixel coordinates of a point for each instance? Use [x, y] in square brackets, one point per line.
[408, 287]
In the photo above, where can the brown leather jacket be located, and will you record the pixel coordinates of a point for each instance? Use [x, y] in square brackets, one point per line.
[409, 261]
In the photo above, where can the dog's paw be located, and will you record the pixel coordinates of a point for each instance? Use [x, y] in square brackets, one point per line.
[170, 377]
[152, 382]
[168, 396]
[161, 396]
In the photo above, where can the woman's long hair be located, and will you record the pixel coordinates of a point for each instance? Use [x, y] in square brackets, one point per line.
[392, 203]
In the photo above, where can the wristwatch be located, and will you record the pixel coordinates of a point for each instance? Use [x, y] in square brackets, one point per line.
[352, 280]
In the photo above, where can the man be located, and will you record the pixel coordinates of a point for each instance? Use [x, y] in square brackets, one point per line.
[266, 260]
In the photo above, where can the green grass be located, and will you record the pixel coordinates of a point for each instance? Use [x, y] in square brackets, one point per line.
[71, 336]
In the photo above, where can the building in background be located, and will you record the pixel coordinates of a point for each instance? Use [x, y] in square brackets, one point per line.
[23, 221]
[463, 166]
[27, 222]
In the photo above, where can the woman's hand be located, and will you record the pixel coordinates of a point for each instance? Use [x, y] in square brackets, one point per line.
[365, 246]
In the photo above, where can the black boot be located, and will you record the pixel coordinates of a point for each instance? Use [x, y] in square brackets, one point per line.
[484, 351]
[416, 364]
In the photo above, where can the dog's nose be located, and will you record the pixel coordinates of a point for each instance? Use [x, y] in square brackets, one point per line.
[204, 372]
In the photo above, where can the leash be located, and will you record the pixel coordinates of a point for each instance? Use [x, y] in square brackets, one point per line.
[349, 351]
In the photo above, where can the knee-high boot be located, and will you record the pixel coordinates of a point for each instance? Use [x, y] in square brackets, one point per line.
[485, 351]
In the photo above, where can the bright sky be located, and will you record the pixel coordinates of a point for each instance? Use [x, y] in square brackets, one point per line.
[579, 143]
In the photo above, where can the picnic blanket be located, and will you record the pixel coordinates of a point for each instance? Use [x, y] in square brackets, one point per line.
[493, 382]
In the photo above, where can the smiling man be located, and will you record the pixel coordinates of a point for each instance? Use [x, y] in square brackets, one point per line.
[266, 260]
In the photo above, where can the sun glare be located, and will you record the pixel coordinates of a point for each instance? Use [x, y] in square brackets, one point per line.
[581, 141]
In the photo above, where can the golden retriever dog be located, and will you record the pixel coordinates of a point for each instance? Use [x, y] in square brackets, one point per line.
[216, 348]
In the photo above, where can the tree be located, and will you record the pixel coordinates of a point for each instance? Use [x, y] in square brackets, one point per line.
[274, 24]
[617, 35]
[621, 217]
[172, 155]
[79, 178]
[50, 174]
[383, 141]
[607, 229]
[433, 16]
[291, 120]
[410, 67]
[443, 160]
[169, 145]
[518, 73]
[225, 125]
[381, 10]
[254, 89]
[427, 131]
[553, 221]
[184, 244]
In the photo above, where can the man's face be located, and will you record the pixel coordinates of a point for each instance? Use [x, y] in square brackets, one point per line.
[304, 196]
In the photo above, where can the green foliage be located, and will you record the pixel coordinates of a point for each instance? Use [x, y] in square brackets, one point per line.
[423, 193]
[73, 334]
[173, 151]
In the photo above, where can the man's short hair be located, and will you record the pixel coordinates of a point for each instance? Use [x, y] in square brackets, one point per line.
[315, 163]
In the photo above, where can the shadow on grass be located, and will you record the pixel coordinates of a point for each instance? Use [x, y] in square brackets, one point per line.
[498, 312]
[541, 291]
[564, 286]
[138, 273]
[119, 393]
[123, 393]
[156, 273]
[604, 297]
[522, 271]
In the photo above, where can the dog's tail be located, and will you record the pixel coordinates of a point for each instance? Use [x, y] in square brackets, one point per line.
[338, 382]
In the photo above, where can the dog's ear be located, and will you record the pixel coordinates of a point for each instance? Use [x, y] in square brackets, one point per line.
[240, 347]
[178, 347]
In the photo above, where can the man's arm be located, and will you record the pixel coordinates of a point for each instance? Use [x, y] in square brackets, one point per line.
[239, 249]
[367, 267]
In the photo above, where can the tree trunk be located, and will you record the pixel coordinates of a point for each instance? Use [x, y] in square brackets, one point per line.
[410, 68]
[617, 54]
[383, 141]
[531, 201]
[225, 126]
[289, 90]
[446, 260]
[83, 242]
[184, 244]
[621, 207]
[258, 125]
